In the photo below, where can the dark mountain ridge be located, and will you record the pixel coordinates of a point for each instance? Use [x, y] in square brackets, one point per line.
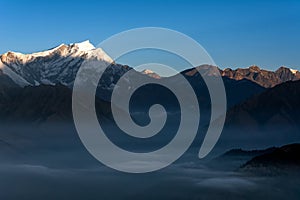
[281, 161]
[276, 106]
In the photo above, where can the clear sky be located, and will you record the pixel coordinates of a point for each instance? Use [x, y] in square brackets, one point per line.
[235, 33]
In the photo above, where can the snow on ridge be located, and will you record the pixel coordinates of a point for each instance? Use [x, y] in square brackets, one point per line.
[14, 76]
[85, 45]
[75, 50]
[147, 71]
[99, 54]
[82, 46]
[294, 71]
[52, 69]
[35, 54]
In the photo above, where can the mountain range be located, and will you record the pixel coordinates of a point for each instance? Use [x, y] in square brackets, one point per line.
[38, 86]
[60, 65]
[263, 77]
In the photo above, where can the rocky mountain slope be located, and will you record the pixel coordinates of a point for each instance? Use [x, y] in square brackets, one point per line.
[262, 77]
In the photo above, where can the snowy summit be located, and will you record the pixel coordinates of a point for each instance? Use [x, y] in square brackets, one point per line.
[84, 46]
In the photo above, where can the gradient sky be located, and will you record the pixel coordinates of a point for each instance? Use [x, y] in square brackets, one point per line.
[235, 33]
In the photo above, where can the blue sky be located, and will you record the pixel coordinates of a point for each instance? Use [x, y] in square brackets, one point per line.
[235, 33]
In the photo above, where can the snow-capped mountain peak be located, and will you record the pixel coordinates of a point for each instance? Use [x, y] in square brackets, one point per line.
[151, 73]
[294, 71]
[84, 46]
[147, 71]
[56, 65]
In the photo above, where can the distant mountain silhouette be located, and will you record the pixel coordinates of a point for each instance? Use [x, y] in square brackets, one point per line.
[276, 106]
[283, 160]
[234, 158]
